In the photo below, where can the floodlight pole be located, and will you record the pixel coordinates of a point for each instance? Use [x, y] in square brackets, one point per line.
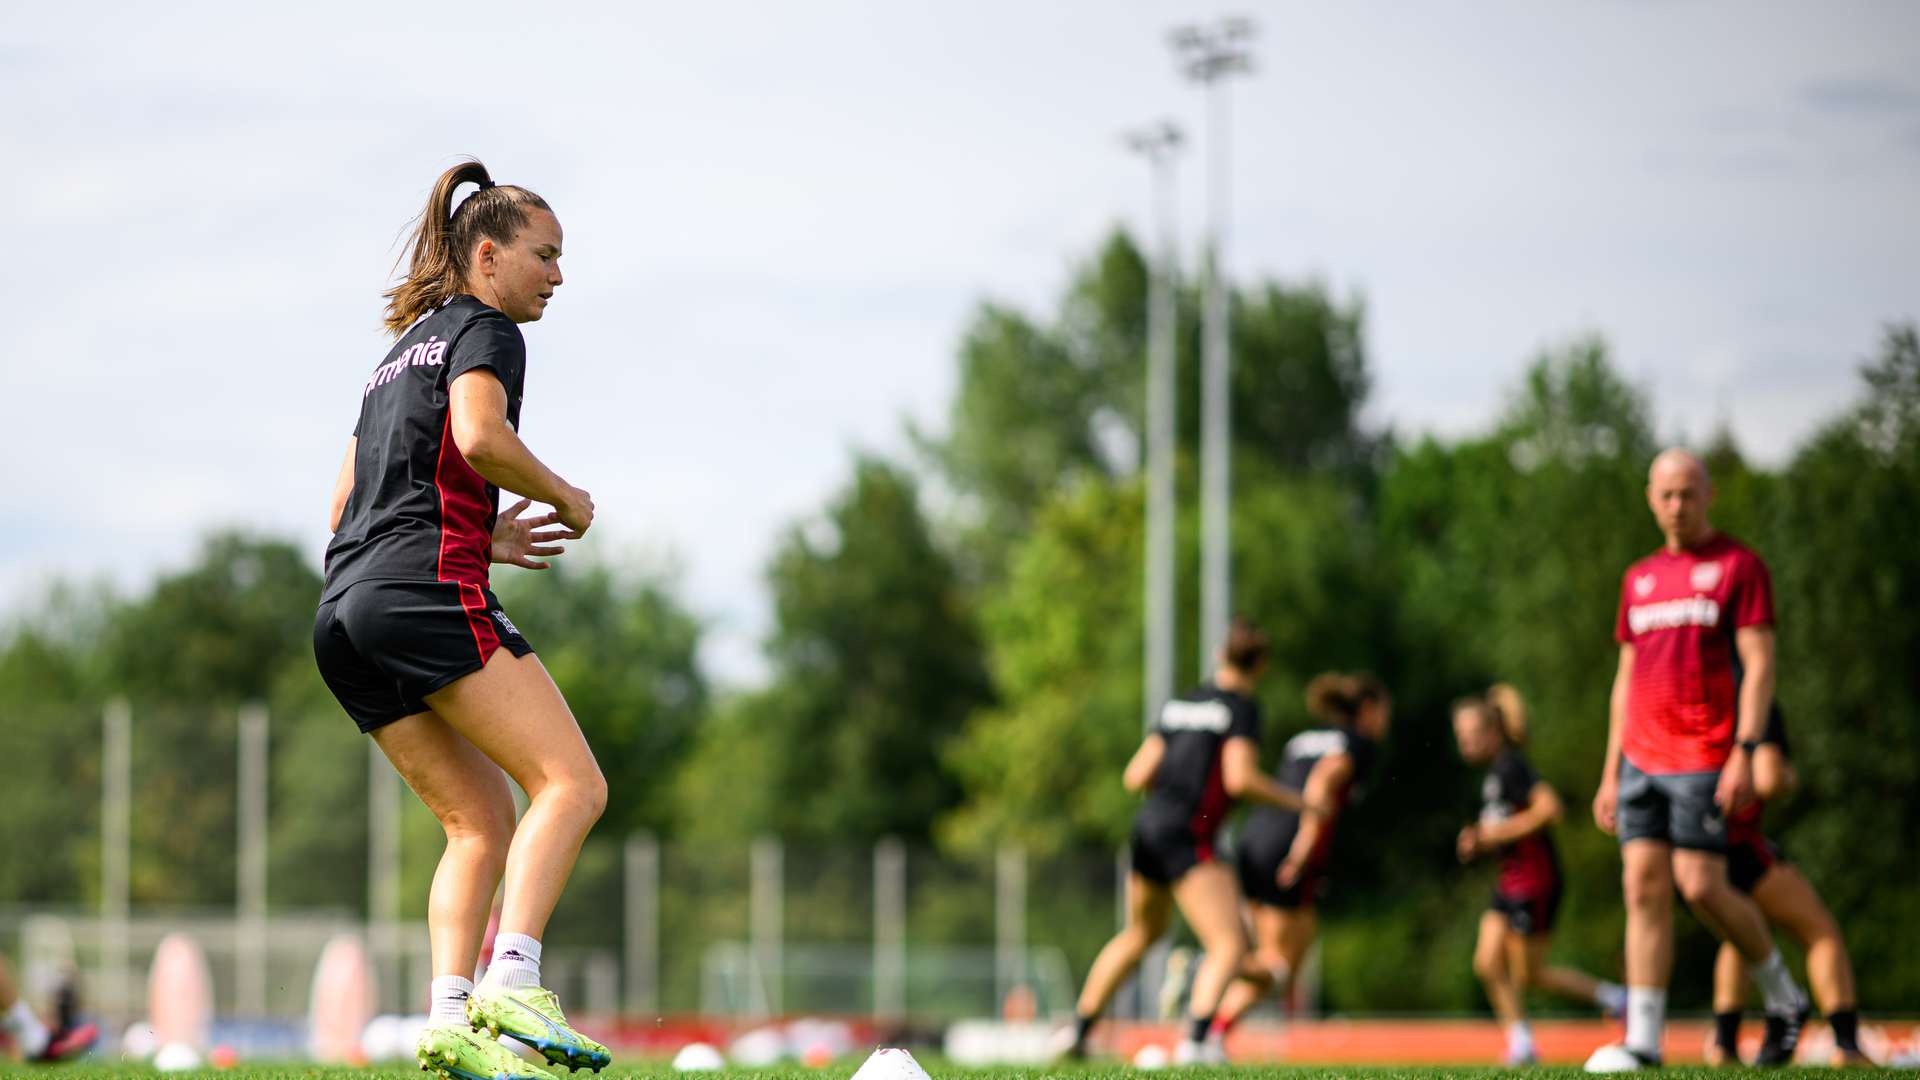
[1158, 144]
[1208, 54]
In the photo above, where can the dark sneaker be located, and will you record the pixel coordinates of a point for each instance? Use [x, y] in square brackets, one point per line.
[1783, 1037]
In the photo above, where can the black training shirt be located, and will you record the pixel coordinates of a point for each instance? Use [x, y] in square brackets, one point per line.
[1188, 787]
[1273, 827]
[418, 511]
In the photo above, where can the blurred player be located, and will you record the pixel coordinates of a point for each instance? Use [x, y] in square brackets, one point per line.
[1788, 900]
[1690, 701]
[1517, 815]
[1202, 755]
[411, 640]
[1283, 853]
[36, 1040]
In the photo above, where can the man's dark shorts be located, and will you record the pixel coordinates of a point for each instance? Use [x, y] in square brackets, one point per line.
[1676, 808]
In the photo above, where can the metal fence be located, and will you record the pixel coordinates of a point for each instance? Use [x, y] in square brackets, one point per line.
[647, 928]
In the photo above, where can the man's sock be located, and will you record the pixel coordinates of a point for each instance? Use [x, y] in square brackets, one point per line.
[450, 993]
[1198, 1026]
[1610, 996]
[1726, 1030]
[516, 961]
[29, 1034]
[1782, 995]
[1846, 1030]
[1646, 1015]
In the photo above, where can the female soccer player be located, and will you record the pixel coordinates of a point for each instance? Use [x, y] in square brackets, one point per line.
[1789, 901]
[1283, 854]
[1202, 756]
[1518, 811]
[411, 640]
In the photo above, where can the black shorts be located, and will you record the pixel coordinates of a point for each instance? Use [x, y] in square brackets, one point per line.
[1163, 852]
[383, 646]
[1749, 856]
[1530, 913]
[1259, 868]
[1676, 808]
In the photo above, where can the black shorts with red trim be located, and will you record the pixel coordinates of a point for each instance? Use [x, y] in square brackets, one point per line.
[1162, 851]
[1749, 856]
[1259, 867]
[1528, 913]
[383, 646]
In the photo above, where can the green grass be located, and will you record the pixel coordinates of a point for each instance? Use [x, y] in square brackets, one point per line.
[661, 1071]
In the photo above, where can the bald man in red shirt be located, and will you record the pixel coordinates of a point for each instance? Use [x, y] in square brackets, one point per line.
[1690, 702]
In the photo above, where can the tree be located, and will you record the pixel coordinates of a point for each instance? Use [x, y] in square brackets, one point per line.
[1847, 590]
[1041, 407]
[876, 664]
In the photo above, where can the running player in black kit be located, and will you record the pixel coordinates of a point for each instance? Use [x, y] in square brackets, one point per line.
[411, 640]
[1201, 757]
[1517, 814]
[1283, 854]
[1756, 867]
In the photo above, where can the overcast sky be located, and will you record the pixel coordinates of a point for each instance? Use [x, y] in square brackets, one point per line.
[779, 217]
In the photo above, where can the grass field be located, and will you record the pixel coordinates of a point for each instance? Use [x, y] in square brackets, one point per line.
[661, 1071]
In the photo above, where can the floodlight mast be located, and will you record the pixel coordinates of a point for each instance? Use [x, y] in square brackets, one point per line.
[1159, 144]
[1208, 54]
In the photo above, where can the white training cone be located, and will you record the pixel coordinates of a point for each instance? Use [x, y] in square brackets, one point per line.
[888, 1063]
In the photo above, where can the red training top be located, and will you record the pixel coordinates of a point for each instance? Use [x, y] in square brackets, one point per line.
[1679, 612]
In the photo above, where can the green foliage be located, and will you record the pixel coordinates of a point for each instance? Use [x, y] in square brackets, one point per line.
[1045, 407]
[876, 665]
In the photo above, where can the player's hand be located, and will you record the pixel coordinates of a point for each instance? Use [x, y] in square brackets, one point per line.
[1467, 845]
[575, 511]
[1289, 873]
[517, 541]
[1735, 789]
[1606, 805]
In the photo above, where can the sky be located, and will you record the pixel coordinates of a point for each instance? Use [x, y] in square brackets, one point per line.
[780, 218]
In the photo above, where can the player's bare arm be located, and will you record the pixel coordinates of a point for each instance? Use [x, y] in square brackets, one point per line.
[1144, 764]
[1330, 777]
[1543, 809]
[478, 404]
[1240, 774]
[342, 486]
[1606, 799]
[1755, 647]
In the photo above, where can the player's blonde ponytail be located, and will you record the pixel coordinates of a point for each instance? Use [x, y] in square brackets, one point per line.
[443, 239]
[1509, 709]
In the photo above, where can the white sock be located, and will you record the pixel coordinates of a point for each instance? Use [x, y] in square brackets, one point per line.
[450, 993]
[1776, 984]
[1646, 1015]
[1610, 996]
[1520, 1037]
[29, 1034]
[516, 961]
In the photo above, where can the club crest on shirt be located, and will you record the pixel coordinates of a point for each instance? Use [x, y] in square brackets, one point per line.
[1705, 575]
[1643, 585]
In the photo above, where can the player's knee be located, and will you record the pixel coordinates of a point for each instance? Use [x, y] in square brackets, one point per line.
[485, 826]
[1699, 885]
[592, 794]
[1645, 888]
